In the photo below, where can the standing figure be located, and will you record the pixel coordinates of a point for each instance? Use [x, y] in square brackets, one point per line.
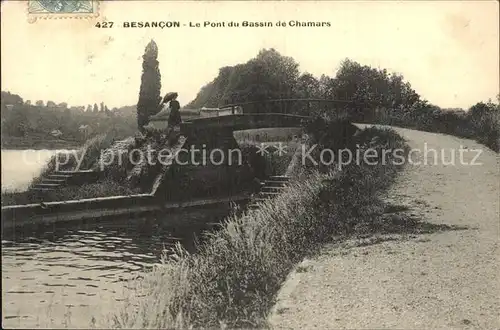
[174, 119]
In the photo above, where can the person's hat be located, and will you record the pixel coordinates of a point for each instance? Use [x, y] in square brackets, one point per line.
[169, 97]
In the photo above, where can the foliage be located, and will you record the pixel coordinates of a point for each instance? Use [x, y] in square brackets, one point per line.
[269, 75]
[149, 94]
[31, 125]
[9, 98]
[374, 96]
[485, 119]
[233, 279]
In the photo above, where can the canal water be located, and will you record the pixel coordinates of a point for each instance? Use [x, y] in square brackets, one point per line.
[67, 276]
[19, 167]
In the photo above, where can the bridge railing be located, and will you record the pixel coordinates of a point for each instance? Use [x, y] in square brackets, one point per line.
[290, 105]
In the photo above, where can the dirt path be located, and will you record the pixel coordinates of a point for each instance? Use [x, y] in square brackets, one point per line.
[446, 279]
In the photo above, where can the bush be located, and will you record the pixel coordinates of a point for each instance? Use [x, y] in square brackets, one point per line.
[481, 122]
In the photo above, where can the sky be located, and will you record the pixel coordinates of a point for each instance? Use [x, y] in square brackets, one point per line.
[448, 51]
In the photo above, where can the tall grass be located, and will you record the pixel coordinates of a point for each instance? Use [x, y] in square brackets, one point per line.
[487, 129]
[233, 279]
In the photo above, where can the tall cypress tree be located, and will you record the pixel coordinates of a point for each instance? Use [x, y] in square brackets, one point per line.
[149, 93]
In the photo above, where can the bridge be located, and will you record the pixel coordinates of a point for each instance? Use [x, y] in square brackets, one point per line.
[207, 133]
[238, 122]
[217, 132]
[290, 105]
[257, 114]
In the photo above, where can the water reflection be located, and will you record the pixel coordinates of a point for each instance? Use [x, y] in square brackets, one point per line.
[19, 167]
[87, 269]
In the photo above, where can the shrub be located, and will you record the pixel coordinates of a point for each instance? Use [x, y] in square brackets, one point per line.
[234, 278]
[481, 122]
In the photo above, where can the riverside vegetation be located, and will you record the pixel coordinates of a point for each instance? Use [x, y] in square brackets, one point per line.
[111, 183]
[234, 277]
[27, 124]
[375, 95]
[115, 179]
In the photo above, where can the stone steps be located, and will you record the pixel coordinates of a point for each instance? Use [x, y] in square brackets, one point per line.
[47, 185]
[57, 180]
[40, 189]
[270, 183]
[49, 180]
[270, 188]
[59, 176]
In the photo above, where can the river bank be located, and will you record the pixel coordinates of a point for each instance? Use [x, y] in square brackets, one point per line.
[435, 264]
[19, 143]
[233, 279]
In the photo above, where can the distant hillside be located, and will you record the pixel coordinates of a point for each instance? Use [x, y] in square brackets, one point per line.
[126, 111]
[47, 124]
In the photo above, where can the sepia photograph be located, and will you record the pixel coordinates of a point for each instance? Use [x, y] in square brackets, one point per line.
[250, 165]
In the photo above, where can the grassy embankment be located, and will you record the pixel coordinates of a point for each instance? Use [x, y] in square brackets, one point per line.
[234, 278]
[88, 155]
[37, 142]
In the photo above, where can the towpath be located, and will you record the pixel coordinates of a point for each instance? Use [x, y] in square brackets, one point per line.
[443, 279]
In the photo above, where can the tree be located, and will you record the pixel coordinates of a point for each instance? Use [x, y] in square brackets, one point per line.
[27, 102]
[39, 103]
[269, 75]
[95, 109]
[63, 105]
[51, 104]
[18, 123]
[89, 108]
[372, 90]
[9, 98]
[307, 87]
[102, 107]
[149, 93]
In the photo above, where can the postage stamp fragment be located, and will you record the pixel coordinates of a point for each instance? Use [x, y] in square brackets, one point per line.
[56, 9]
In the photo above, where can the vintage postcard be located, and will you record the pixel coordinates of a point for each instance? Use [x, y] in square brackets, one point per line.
[263, 165]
